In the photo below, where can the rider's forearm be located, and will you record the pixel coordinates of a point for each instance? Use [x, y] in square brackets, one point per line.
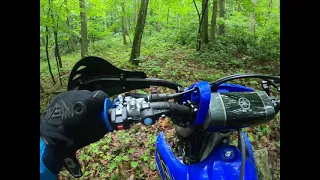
[50, 164]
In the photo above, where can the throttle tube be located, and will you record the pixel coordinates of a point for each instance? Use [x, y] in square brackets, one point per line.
[176, 109]
[158, 97]
[137, 95]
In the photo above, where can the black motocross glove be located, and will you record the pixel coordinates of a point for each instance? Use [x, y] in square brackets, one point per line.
[71, 122]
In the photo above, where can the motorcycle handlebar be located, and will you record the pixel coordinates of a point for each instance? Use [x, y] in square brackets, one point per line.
[235, 113]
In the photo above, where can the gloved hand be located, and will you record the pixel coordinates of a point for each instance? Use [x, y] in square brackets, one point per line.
[72, 121]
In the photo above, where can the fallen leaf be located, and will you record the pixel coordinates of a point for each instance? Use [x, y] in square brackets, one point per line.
[103, 161]
[115, 144]
[264, 139]
[132, 177]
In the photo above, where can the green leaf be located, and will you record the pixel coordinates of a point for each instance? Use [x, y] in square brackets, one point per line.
[254, 82]
[251, 138]
[125, 158]
[88, 158]
[104, 147]
[118, 159]
[134, 164]
[153, 166]
[145, 158]
[141, 92]
[112, 166]
[131, 150]
[108, 157]
[86, 173]
[81, 157]
[278, 143]
[114, 176]
[174, 73]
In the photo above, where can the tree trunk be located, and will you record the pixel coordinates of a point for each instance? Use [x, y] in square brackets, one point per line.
[68, 22]
[204, 27]
[222, 15]
[198, 44]
[139, 31]
[41, 87]
[47, 44]
[151, 23]
[229, 7]
[111, 19]
[123, 21]
[47, 54]
[134, 11]
[128, 29]
[107, 20]
[200, 17]
[127, 25]
[56, 42]
[68, 41]
[59, 74]
[84, 38]
[214, 20]
[269, 9]
[168, 14]
[71, 42]
[135, 14]
[252, 19]
[56, 48]
[115, 29]
[57, 54]
[232, 9]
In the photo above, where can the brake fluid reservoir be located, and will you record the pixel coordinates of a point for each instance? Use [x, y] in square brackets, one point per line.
[234, 110]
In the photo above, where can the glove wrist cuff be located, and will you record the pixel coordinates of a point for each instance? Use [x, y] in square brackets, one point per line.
[52, 160]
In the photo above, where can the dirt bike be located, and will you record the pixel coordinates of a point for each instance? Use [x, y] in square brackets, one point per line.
[205, 115]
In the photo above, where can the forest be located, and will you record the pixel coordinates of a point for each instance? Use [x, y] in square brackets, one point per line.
[183, 41]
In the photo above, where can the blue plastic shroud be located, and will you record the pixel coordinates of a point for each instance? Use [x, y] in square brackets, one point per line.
[222, 163]
[201, 96]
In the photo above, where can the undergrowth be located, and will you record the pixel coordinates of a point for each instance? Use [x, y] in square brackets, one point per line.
[130, 154]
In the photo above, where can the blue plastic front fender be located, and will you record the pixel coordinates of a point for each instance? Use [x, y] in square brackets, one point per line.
[215, 166]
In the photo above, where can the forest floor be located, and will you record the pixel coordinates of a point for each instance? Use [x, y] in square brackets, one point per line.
[130, 154]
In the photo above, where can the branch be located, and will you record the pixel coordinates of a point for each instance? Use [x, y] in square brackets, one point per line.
[59, 11]
[196, 8]
[200, 23]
